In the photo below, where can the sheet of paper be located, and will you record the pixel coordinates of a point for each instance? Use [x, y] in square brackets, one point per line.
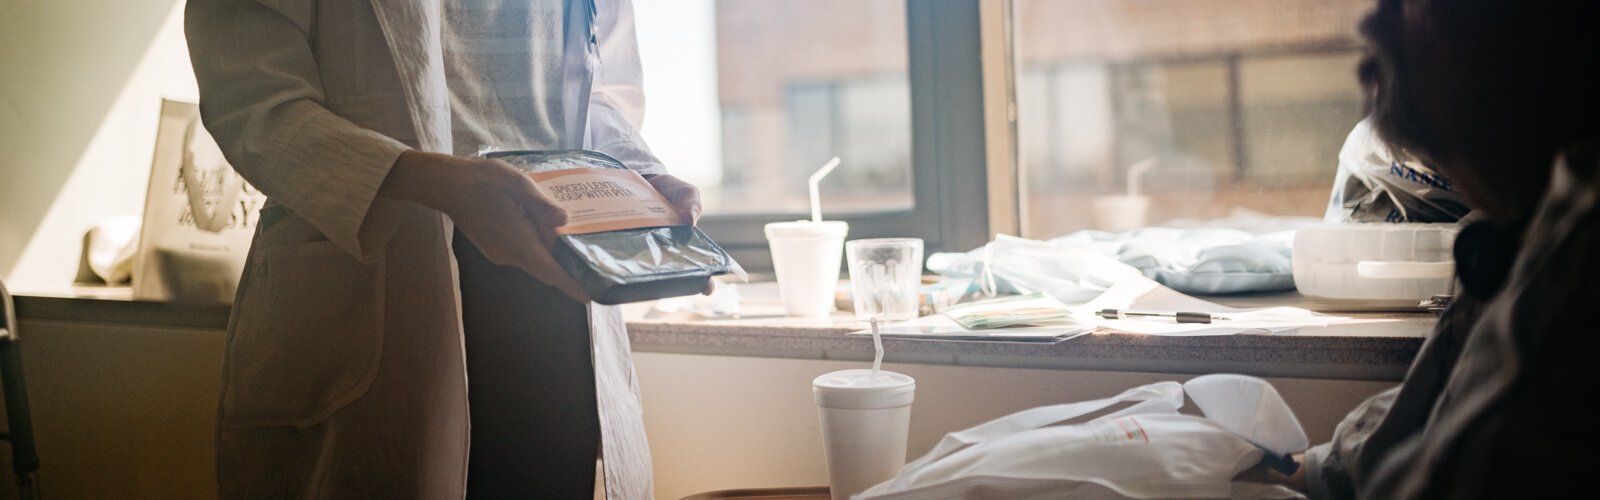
[1147, 295]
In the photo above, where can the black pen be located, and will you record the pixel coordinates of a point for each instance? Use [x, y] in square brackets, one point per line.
[1179, 316]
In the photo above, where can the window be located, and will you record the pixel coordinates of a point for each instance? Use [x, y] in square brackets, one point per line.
[1227, 104]
[866, 119]
[748, 97]
[794, 84]
[1224, 105]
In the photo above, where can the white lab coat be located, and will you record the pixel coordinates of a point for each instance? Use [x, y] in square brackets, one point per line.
[345, 373]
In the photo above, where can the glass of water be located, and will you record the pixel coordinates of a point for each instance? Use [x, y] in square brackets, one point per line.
[885, 275]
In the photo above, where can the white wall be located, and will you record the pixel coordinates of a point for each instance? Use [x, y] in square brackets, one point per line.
[718, 422]
[81, 83]
[120, 411]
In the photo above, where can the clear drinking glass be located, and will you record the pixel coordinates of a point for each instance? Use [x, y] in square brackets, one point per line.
[885, 274]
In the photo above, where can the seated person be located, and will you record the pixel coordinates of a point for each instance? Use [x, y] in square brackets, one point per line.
[1500, 95]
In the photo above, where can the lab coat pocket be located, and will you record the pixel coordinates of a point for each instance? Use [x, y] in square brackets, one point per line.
[307, 336]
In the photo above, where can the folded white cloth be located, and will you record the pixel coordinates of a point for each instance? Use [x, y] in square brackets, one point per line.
[1199, 260]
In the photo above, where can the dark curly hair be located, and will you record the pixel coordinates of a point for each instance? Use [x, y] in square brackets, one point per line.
[1529, 74]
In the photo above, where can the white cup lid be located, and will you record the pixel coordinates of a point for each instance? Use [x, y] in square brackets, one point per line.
[808, 229]
[849, 389]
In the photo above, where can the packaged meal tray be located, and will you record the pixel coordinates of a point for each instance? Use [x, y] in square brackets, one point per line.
[622, 242]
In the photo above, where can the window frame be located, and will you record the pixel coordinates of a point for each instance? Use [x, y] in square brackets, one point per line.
[950, 163]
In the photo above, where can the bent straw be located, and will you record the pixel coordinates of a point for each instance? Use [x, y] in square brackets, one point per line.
[816, 196]
[1136, 173]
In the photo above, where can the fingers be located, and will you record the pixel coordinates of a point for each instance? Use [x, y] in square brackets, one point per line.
[536, 259]
[535, 205]
[539, 207]
[519, 245]
[685, 198]
[691, 207]
[711, 287]
[488, 217]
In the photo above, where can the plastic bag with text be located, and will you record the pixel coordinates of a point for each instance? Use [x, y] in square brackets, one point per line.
[1376, 184]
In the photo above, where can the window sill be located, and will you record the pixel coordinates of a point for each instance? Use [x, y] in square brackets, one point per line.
[1378, 347]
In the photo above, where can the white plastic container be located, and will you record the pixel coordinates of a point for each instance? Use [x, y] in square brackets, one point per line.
[806, 257]
[864, 427]
[1401, 262]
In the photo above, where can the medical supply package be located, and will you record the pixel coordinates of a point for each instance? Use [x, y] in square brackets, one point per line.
[622, 242]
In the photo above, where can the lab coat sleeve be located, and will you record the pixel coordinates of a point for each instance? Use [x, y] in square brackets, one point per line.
[616, 102]
[261, 97]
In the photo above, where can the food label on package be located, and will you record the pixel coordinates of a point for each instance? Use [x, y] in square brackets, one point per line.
[605, 199]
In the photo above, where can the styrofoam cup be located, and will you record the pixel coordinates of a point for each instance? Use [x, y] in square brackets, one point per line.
[864, 427]
[1117, 213]
[806, 256]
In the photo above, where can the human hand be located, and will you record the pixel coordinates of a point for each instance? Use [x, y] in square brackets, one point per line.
[505, 215]
[495, 205]
[1296, 481]
[684, 197]
[1261, 473]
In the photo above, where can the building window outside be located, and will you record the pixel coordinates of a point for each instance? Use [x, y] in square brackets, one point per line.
[1237, 104]
[788, 85]
[864, 119]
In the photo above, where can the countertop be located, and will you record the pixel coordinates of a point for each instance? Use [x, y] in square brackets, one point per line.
[1378, 345]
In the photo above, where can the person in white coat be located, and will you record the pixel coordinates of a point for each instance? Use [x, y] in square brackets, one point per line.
[390, 269]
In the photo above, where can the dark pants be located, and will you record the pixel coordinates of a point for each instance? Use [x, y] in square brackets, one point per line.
[530, 385]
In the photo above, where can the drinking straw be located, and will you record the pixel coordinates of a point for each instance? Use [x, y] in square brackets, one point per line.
[1136, 173]
[877, 357]
[816, 196]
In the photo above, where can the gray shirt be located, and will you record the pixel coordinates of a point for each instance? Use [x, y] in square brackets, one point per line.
[508, 68]
[503, 64]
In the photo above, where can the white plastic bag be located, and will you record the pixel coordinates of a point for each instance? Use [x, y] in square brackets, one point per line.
[1012, 265]
[1078, 266]
[1146, 450]
[1373, 185]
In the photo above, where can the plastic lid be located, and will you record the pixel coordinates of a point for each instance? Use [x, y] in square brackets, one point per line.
[808, 229]
[848, 389]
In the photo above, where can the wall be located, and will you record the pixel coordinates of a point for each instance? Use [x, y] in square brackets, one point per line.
[129, 412]
[81, 83]
[120, 412]
[719, 423]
